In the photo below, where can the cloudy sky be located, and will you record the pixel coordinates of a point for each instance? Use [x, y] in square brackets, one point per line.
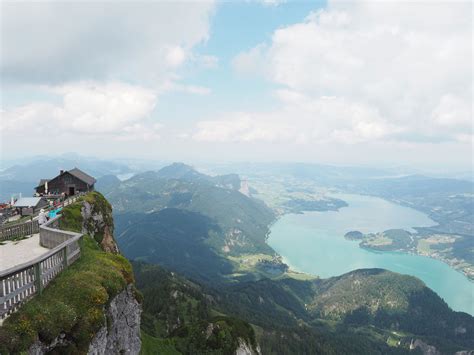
[331, 82]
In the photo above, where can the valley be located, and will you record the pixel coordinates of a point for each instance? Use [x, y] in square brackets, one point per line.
[448, 202]
[261, 264]
[436, 246]
[225, 243]
[256, 177]
[317, 246]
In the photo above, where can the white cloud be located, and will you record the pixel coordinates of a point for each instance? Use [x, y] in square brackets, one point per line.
[175, 56]
[77, 58]
[113, 109]
[271, 2]
[301, 121]
[53, 42]
[393, 70]
[241, 127]
[453, 112]
[250, 62]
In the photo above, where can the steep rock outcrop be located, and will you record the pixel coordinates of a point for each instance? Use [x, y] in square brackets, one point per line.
[121, 333]
[247, 349]
[97, 221]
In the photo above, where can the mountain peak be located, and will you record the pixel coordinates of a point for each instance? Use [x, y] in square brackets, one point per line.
[178, 171]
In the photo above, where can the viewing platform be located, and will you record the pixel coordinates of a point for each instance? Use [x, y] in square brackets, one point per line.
[13, 253]
[31, 255]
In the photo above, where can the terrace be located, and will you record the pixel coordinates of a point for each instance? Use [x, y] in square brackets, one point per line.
[31, 255]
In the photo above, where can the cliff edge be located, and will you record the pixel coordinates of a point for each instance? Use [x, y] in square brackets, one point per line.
[92, 306]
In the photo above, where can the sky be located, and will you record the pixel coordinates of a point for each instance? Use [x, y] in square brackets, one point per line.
[369, 83]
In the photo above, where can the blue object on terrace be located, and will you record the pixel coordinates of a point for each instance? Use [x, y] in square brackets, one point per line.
[54, 213]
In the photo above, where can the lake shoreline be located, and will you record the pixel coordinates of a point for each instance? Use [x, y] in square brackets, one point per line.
[407, 252]
[316, 266]
[447, 261]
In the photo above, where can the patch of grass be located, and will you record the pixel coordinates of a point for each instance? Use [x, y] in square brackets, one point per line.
[71, 219]
[152, 345]
[73, 303]
[392, 341]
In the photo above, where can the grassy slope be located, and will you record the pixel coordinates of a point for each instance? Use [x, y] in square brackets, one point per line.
[152, 345]
[73, 303]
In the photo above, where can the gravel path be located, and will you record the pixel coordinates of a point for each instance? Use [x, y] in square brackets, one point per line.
[15, 253]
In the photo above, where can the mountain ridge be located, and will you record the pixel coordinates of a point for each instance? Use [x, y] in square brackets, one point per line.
[387, 308]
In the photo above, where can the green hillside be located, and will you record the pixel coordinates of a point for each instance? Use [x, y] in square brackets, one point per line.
[365, 311]
[178, 317]
[177, 239]
[243, 221]
[205, 219]
[214, 236]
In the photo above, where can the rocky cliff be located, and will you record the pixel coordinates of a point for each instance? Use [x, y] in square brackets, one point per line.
[121, 332]
[92, 306]
[247, 349]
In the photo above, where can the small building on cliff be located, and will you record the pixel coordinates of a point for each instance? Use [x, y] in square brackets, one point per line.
[28, 206]
[68, 182]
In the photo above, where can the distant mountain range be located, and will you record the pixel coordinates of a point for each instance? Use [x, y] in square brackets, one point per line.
[203, 218]
[203, 228]
[200, 256]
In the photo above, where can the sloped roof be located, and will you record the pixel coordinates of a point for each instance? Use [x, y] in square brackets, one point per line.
[42, 182]
[27, 202]
[82, 176]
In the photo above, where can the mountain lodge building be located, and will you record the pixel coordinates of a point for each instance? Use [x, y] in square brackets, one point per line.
[68, 182]
[28, 206]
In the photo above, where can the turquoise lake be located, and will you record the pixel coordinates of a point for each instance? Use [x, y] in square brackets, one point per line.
[314, 242]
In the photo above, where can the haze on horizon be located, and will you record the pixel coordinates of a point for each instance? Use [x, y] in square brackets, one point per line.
[372, 83]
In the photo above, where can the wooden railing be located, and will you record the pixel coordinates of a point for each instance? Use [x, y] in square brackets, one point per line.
[22, 282]
[19, 230]
[29, 227]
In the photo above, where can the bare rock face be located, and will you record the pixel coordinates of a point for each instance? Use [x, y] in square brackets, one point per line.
[121, 334]
[426, 349]
[246, 349]
[98, 223]
[39, 348]
[108, 243]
